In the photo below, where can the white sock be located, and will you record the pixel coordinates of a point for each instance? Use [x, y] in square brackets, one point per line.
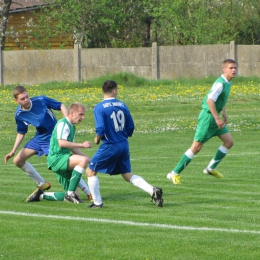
[32, 173]
[93, 184]
[142, 184]
[189, 154]
[84, 187]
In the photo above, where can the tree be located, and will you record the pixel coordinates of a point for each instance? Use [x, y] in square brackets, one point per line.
[182, 22]
[95, 23]
[129, 23]
[4, 8]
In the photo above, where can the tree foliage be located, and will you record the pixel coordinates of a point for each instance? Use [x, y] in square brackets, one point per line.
[94, 23]
[129, 23]
[4, 11]
[205, 22]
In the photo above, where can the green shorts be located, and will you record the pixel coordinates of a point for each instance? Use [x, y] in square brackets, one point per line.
[207, 127]
[59, 165]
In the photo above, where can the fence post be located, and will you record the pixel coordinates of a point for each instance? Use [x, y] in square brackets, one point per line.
[77, 63]
[233, 50]
[155, 72]
[1, 67]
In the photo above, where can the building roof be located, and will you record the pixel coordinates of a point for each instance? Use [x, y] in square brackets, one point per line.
[18, 5]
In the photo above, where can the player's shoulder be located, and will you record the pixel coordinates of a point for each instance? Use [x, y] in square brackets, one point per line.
[37, 97]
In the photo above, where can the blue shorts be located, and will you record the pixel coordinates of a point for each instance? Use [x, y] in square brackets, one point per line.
[40, 147]
[112, 159]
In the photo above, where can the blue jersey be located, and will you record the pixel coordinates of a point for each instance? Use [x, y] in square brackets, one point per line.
[39, 115]
[113, 121]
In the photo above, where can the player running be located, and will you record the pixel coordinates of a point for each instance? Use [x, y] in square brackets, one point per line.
[210, 124]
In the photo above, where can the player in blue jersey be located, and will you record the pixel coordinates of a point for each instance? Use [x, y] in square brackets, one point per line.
[210, 124]
[36, 111]
[114, 124]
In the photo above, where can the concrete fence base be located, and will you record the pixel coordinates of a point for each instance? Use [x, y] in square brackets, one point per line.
[155, 62]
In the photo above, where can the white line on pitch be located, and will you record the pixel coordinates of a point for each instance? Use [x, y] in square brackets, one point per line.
[131, 223]
[140, 158]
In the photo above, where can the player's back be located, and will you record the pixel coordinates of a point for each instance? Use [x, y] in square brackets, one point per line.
[113, 120]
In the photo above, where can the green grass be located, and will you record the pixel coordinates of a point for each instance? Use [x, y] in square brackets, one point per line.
[204, 218]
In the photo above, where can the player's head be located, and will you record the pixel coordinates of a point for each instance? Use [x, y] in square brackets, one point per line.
[229, 68]
[21, 97]
[18, 90]
[109, 87]
[76, 112]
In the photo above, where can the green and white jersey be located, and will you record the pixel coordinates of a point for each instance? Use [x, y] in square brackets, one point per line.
[63, 130]
[219, 94]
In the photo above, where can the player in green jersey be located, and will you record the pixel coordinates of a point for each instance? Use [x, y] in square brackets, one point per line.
[65, 158]
[210, 124]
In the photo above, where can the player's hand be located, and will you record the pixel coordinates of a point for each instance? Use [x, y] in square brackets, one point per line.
[220, 123]
[8, 156]
[87, 144]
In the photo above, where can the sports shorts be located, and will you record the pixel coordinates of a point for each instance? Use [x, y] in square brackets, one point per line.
[58, 163]
[40, 147]
[207, 127]
[112, 159]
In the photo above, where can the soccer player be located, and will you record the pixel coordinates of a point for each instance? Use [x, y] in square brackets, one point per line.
[210, 124]
[114, 124]
[36, 111]
[67, 166]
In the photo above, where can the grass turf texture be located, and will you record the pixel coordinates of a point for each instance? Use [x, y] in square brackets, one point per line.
[204, 218]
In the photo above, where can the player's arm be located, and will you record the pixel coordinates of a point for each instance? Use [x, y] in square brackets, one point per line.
[97, 139]
[64, 110]
[129, 124]
[213, 111]
[73, 146]
[224, 115]
[99, 125]
[18, 141]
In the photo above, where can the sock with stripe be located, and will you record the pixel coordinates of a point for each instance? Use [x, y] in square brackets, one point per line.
[184, 161]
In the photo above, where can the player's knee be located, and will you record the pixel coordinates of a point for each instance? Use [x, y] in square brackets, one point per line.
[84, 162]
[90, 173]
[18, 162]
[229, 144]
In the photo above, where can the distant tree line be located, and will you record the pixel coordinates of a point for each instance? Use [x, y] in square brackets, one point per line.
[132, 23]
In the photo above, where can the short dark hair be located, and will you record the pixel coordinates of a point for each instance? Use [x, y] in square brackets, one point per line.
[108, 86]
[228, 61]
[18, 90]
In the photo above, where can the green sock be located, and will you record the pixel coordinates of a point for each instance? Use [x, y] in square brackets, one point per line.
[74, 180]
[216, 159]
[54, 196]
[184, 161]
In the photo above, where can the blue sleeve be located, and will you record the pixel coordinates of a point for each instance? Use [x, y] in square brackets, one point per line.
[99, 121]
[52, 103]
[21, 127]
[130, 127]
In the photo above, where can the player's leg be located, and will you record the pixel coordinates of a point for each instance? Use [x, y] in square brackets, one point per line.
[40, 195]
[220, 154]
[138, 181]
[104, 160]
[20, 161]
[124, 165]
[94, 186]
[84, 187]
[186, 158]
[201, 136]
[77, 165]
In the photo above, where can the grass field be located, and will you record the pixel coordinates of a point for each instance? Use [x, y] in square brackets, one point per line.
[204, 218]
